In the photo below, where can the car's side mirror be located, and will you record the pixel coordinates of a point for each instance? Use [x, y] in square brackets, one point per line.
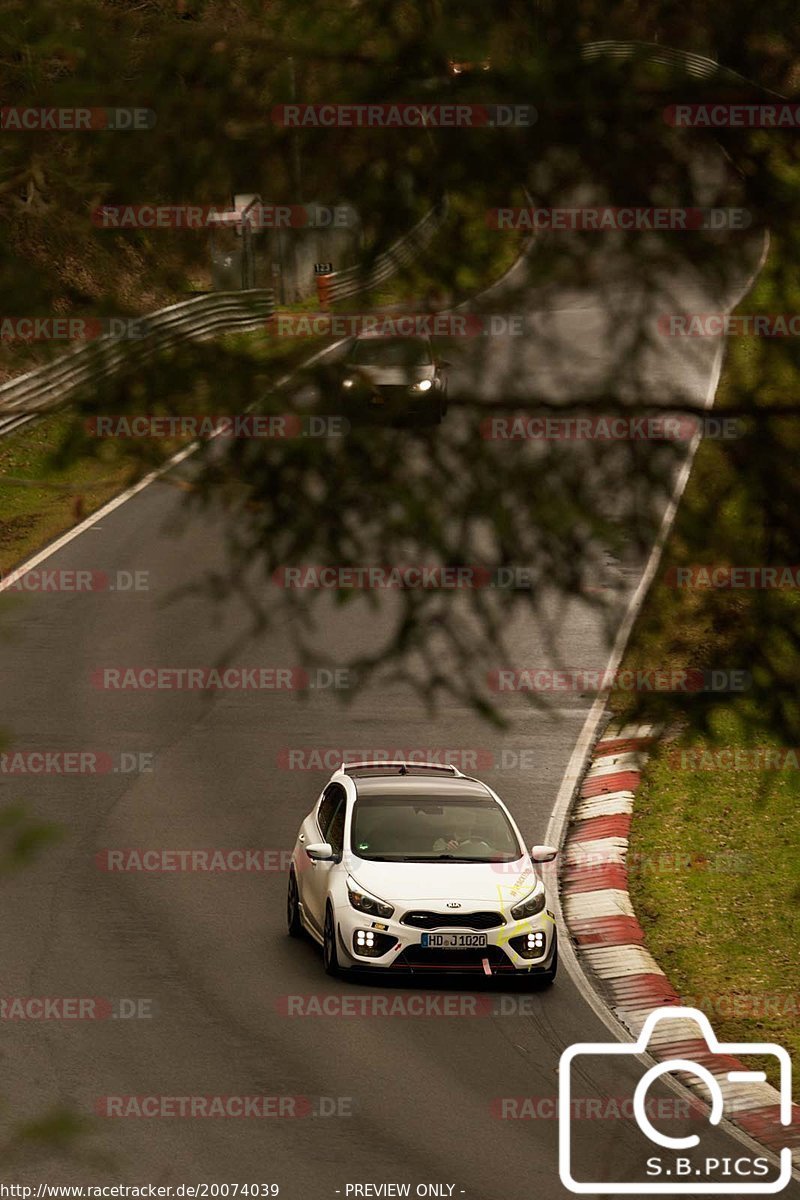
[320, 851]
[543, 854]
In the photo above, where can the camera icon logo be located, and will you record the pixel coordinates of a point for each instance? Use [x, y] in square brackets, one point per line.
[668, 1173]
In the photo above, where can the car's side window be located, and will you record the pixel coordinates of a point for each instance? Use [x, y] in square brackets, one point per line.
[332, 800]
[335, 834]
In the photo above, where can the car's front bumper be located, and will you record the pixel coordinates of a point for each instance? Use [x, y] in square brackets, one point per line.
[393, 401]
[406, 953]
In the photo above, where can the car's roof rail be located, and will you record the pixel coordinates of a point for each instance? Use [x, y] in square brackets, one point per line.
[400, 767]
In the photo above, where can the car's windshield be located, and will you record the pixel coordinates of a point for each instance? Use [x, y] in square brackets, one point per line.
[391, 352]
[416, 829]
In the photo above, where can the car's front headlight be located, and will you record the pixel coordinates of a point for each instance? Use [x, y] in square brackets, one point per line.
[365, 903]
[348, 383]
[424, 385]
[530, 906]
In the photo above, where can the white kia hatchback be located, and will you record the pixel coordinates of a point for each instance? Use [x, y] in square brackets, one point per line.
[417, 868]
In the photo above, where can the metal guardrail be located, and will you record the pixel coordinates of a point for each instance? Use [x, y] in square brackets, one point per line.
[9, 424]
[28, 396]
[339, 285]
[696, 65]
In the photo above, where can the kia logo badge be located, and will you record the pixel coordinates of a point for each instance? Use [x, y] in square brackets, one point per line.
[453, 904]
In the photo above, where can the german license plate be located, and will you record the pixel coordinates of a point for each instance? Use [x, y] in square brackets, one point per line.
[453, 941]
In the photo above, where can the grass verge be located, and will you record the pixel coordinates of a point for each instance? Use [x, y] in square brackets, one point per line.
[38, 502]
[723, 921]
[718, 800]
[44, 492]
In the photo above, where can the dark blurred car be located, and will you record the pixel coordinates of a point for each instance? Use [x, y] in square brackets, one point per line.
[457, 66]
[398, 376]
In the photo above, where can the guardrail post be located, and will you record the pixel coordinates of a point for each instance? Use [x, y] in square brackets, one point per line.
[324, 290]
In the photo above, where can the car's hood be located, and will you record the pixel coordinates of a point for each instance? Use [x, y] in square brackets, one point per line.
[395, 376]
[484, 883]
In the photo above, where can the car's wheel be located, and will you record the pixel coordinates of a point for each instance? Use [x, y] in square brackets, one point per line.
[293, 922]
[329, 955]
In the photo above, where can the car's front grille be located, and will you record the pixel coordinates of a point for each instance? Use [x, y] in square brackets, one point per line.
[393, 391]
[435, 920]
[424, 958]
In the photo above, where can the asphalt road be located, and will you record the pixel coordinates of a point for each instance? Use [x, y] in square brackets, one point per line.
[413, 1099]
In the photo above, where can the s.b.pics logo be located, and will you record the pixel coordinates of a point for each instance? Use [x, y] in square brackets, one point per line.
[679, 1162]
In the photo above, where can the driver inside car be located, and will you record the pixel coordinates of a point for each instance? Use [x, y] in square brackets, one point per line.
[473, 836]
